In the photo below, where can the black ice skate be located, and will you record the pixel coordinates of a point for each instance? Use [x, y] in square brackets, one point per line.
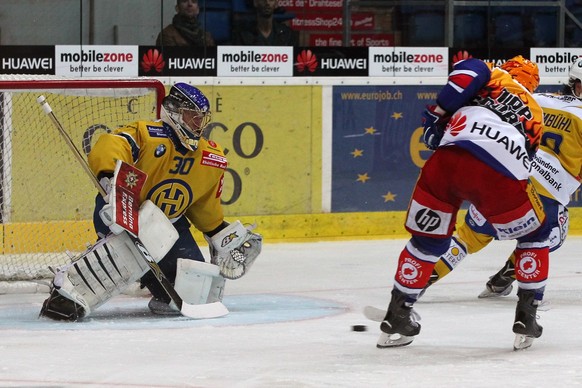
[400, 325]
[500, 284]
[525, 326]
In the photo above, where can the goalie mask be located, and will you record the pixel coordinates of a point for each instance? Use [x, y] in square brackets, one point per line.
[575, 75]
[187, 111]
[523, 71]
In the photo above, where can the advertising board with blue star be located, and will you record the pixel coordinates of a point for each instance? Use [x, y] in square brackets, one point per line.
[377, 145]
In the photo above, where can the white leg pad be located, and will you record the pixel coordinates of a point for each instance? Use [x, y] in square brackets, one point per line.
[101, 273]
[115, 262]
[198, 282]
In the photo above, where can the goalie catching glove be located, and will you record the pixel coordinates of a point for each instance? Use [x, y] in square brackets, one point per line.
[234, 249]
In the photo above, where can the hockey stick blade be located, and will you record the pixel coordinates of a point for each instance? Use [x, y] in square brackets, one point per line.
[194, 311]
[374, 314]
[204, 311]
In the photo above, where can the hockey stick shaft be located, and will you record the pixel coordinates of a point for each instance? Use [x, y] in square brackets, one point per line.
[49, 112]
[186, 309]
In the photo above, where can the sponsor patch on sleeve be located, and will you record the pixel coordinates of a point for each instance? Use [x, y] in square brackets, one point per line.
[213, 160]
[156, 131]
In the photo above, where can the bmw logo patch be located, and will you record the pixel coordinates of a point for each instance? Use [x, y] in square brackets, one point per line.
[160, 150]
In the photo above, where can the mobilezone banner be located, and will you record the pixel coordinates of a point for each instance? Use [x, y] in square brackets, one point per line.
[272, 137]
[259, 61]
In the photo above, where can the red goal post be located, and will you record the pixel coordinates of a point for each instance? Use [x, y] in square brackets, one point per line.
[46, 199]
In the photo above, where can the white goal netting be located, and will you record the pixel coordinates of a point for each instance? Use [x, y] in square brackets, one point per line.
[46, 198]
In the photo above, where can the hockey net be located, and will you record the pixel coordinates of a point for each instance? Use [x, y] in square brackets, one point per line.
[46, 198]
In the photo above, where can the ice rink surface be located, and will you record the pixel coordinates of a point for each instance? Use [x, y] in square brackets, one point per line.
[289, 326]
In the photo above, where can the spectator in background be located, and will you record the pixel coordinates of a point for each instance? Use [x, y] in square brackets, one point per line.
[185, 29]
[264, 29]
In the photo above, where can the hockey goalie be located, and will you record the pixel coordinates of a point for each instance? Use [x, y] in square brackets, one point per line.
[159, 179]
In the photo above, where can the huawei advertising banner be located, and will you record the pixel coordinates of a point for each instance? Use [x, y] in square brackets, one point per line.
[177, 61]
[27, 60]
[331, 62]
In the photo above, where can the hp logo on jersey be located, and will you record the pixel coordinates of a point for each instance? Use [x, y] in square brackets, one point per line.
[423, 219]
[427, 220]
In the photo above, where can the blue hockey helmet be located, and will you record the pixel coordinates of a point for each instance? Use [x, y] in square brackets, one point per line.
[187, 110]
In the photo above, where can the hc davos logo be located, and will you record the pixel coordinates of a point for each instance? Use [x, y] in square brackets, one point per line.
[427, 220]
[173, 196]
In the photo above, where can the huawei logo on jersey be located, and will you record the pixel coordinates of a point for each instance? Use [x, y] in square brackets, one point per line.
[152, 60]
[306, 60]
[456, 124]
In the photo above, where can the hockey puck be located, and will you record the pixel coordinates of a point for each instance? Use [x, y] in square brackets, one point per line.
[359, 328]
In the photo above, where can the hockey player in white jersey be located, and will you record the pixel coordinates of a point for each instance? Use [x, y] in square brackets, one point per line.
[556, 171]
[185, 173]
[478, 114]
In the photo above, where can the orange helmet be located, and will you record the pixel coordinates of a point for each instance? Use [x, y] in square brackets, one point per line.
[523, 71]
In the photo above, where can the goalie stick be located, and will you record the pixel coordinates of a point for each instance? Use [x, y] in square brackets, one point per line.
[198, 311]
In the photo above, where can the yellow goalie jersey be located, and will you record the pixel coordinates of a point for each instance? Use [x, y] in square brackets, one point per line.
[180, 182]
[558, 162]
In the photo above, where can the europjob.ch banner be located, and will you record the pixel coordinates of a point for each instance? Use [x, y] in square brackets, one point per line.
[377, 145]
